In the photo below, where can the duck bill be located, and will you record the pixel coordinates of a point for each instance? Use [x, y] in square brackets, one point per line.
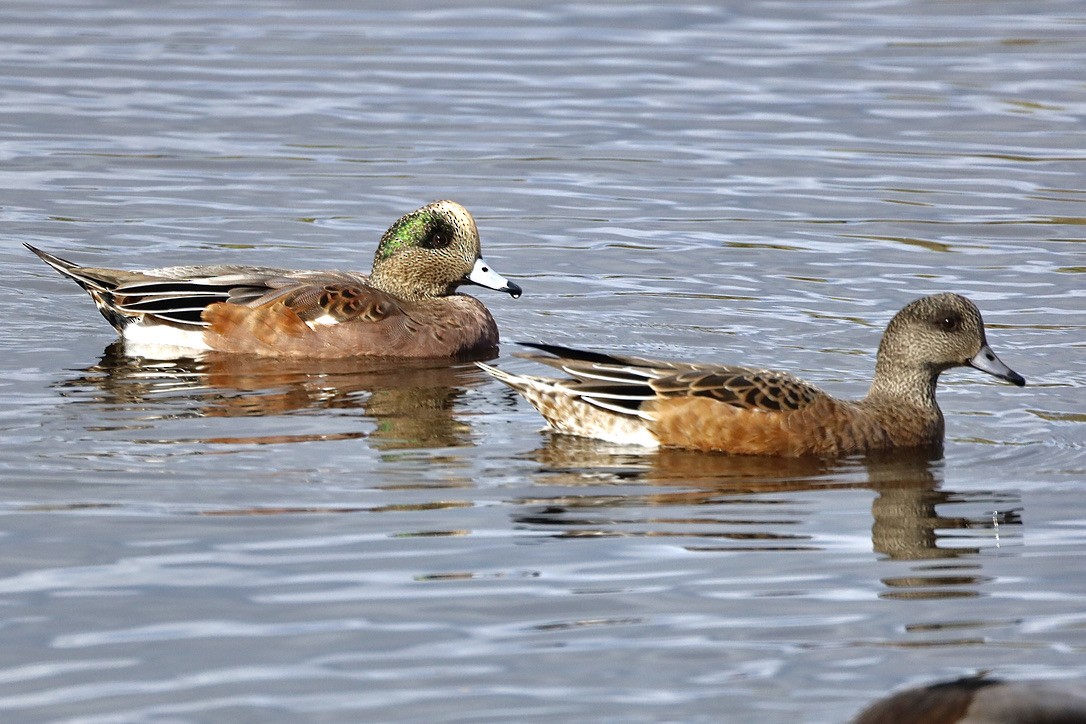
[986, 361]
[484, 276]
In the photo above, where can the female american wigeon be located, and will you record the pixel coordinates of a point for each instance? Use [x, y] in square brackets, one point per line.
[407, 306]
[760, 412]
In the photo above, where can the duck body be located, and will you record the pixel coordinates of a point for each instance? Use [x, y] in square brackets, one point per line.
[737, 410]
[408, 306]
[746, 411]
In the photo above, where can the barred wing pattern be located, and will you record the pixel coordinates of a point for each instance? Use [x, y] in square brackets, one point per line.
[623, 384]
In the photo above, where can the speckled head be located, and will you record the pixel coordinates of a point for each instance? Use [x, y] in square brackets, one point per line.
[432, 251]
[933, 334]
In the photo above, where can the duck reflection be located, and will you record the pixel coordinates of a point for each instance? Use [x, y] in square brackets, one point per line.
[730, 503]
[412, 401]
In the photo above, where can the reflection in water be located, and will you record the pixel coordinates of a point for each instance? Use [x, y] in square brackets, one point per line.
[742, 503]
[908, 526]
[412, 401]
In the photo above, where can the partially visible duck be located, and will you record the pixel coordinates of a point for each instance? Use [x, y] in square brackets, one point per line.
[978, 700]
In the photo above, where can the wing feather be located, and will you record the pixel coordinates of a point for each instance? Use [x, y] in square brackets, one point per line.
[630, 380]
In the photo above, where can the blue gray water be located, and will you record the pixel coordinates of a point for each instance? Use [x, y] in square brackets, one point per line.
[760, 182]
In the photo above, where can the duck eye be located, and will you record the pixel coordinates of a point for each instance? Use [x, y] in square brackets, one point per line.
[435, 240]
[950, 323]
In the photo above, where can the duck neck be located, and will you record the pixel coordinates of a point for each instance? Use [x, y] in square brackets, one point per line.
[902, 400]
[903, 397]
[391, 282]
[904, 385]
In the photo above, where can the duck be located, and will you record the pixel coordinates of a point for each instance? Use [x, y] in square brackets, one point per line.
[408, 306]
[747, 411]
[981, 700]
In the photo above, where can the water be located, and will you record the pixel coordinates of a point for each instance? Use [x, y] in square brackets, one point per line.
[757, 182]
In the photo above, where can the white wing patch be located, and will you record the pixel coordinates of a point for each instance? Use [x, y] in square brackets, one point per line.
[325, 320]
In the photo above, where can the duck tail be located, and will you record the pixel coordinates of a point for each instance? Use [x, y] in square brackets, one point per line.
[70, 269]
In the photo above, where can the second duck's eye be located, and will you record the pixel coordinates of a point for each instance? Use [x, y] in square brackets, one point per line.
[950, 323]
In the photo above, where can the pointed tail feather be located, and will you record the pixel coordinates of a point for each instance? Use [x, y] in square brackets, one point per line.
[513, 381]
[68, 269]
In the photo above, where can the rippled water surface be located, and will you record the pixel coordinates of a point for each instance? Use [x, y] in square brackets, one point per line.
[764, 182]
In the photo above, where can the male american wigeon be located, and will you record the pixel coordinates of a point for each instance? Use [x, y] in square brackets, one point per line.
[761, 412]
[407, 306]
